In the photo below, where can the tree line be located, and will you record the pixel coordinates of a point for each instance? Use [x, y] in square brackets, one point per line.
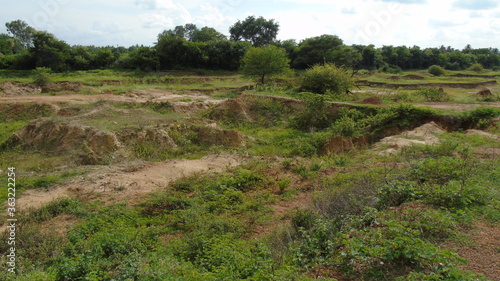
[188, 47]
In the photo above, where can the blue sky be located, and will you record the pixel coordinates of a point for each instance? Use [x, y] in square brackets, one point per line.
[424, 23]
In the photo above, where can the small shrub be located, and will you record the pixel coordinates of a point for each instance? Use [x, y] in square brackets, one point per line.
[315, 116]
[42, 76]
[477, 67]
[283, 184]
[434, 94]
[480, 114]
[324, 79]
[303, 219]
[287, 164]
[396, 193]
[347, 127]
[439, 170]
[436, 70]
[455, 196]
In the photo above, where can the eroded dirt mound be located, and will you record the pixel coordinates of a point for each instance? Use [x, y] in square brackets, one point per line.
[17, 111]
[63, 86]
[485, 93]
[95, 146]
[482, 133]
[372, 100]
[339, 144]
[191, 107]
[42, 134]
[414, 77]
[19, 89]
[212, 134]
[231, 109]
[424, 134]
[154, 136]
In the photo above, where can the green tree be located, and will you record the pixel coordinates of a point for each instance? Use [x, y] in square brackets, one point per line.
[9, 45]
[144, 58]
[371, 58]
[80, 58]
[317, 50]
[259, 31]
[265, 61]
[170, 48]
[207, 34]
[223, 54]
[50, 52]
[184, 31]
[21, 31]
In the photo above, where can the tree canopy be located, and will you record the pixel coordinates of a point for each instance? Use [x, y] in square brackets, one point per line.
[188, 46]
[21, 31]
[258, 31]
[265, 61]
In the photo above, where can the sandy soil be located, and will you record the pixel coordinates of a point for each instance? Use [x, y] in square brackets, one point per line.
[424, 134]
[117, 183]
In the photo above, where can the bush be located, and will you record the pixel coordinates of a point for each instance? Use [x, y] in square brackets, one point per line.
[42, 76]
[477, 67]
[314, 117]
[437, 70]
[434, 94]
[326, 79]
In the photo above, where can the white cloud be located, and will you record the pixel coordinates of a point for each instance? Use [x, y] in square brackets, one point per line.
[476, 4]
[349, 11]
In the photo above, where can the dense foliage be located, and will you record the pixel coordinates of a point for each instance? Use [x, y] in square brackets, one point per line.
[188, 46]
[265, 61]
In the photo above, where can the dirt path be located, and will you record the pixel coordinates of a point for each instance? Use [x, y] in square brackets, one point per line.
[139, 96]
[117, 183]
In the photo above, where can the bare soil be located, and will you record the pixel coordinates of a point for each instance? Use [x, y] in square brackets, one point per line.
[116, 183]
[481, 251]
[424, 134]
[186, 103]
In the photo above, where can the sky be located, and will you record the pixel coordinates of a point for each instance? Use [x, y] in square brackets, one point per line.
[424, 23]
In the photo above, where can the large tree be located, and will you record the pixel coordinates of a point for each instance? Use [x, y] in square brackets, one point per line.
[21, 31]
[259, 31]
[48, 51]
[192, 33]
[317, 50]
[265, 61]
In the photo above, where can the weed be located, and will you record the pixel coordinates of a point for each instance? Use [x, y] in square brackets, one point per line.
[287, 164]
[283, 184]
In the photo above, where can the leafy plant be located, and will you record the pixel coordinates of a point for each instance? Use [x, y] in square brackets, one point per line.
[42, 76]
[265, 61]
[477, 67]
[436, 70]
[326, 79]
[434, 94]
